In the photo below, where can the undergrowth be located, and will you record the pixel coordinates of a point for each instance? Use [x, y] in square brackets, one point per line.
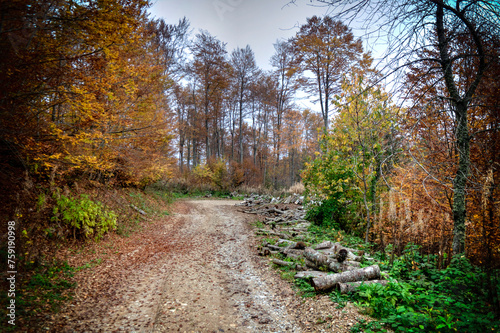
[48, 287]
[68, 218]
[423, 298]
[84, 216]
[419, 297]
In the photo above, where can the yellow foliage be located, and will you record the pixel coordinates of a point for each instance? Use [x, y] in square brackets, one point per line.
[102, 109]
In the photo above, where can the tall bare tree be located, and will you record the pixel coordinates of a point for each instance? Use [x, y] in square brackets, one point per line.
[243, 62]
[171, 40]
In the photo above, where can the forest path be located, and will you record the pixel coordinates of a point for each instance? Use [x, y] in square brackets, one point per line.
[213, 283]
[196, 270]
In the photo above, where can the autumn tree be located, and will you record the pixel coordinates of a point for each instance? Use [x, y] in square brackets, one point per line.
[244, 67]
[90, 97]
[183, 106]
[412, 24]
[326, 49]
[356, 150]
[431, 124]
[210, 70]
[170, 42]
[261, 104]
[285, 72]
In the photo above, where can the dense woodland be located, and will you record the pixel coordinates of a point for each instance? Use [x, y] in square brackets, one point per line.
[100, 92]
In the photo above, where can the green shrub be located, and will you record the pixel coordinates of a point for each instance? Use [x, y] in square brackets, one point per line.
[84, 216]
[426, 299]
[331, 213]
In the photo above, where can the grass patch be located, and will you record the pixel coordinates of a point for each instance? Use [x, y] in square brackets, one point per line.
[304, 288]
[287, 273]
[259, 224]
[337, 297]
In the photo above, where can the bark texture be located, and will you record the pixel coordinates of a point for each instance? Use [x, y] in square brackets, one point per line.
[283, 263]
[319, 259]
[362, 274]
[343, 267]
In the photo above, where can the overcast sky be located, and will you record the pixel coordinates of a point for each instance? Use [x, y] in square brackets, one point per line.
[258, 23]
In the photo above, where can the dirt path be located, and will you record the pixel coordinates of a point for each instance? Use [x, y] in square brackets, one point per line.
[194, 271]
[213, 284]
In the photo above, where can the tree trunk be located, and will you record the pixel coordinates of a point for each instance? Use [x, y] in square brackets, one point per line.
[181, 155]
[362, 274]
[188, 160]
[460, 180]
[241, 122]
[462, 132]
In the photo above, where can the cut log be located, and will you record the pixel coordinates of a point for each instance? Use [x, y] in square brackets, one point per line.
[283, 263]
[292, 245]
[324, 245]
[264, 252]
[275, 210]
[354, 286]
[318, 258]
[352, 256]
[329, 252]
[299, 245]
[137, 209]
[342, 255]
[273, 233]
[275, 247]
[296, 252]
[337, 267]
[287, 242]
[291, 221]
[299, 268]
[356, 264]
[309, 274]
[293, 256]
[337, 246]
[310, 264]
[362, 274]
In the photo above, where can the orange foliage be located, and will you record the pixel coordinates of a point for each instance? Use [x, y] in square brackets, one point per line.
[84, 95]
[419, 208]
[416, 210]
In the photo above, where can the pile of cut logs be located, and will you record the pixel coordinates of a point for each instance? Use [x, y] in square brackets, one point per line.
[326, 265]
[284, 218]
[255, 200]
